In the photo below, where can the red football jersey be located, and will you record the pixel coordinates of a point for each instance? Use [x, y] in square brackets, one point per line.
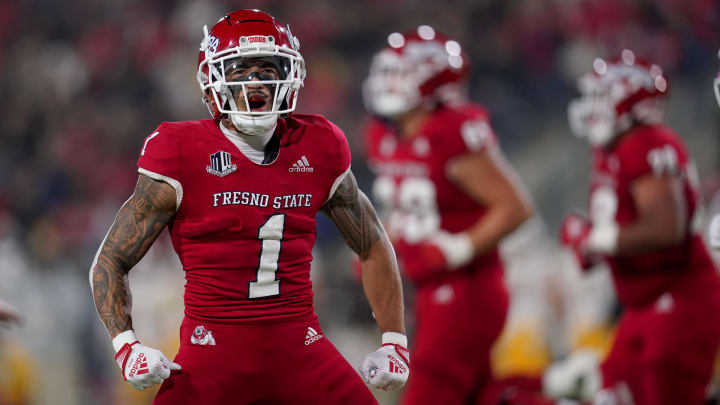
[411, 184]
[244, 232]
[649, 150]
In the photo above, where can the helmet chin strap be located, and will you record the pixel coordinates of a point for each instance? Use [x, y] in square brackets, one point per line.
[600, 134]
[254, 125]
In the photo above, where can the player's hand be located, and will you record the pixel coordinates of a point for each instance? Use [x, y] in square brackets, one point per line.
[715, 232]
[577, 376]
[434, 256]
[388, 367]
[141, 366]
[574, 233]
[456, 249]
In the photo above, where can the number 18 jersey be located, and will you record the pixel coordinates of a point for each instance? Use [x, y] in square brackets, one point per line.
[412, 185]
[244, 231]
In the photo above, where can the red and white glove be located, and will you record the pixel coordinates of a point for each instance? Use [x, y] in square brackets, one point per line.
[388, 367]
[587, 240]
[140, 365]
[457, 249]
[574, 233]
[577, 376]
[434, 256]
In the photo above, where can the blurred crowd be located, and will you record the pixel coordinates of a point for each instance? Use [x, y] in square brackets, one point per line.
[84, 82]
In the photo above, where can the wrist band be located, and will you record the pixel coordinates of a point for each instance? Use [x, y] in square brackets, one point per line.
[123, 338]
[394, 338]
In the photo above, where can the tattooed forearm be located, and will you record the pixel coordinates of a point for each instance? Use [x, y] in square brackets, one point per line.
[136, 226]
[353, 214]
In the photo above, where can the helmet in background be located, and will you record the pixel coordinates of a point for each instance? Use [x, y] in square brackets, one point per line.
[246, 34]
[416, 67]
[615, 96]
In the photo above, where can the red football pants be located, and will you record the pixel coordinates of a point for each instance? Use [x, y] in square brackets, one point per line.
[268, 364]
[665, 351]
[457, 324]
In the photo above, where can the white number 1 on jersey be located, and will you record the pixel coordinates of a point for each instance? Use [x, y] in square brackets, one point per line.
[270, 234]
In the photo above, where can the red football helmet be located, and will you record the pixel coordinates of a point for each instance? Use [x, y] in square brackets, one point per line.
[717, 84]
[415, 67]
[238, 36]
[615, 96]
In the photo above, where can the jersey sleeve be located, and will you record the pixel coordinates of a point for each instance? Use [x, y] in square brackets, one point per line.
[653, 152]
[341, 158]
[159, 158]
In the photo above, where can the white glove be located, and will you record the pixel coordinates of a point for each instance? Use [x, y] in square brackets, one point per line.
[457, 248]
[715, 232]
[140, 365]
[576, 376]
[388, 367]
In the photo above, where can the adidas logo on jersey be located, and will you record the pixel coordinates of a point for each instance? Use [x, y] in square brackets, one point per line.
[312, 336]
[301, 166]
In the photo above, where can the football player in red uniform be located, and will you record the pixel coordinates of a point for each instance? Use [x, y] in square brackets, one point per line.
[715, 223]
[239, 194]
[449, 198]
[643, 220]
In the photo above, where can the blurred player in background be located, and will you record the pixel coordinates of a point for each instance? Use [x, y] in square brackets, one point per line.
[643, 220]
[716, 84]
[239, 194]
[715, 223]
[449, 199]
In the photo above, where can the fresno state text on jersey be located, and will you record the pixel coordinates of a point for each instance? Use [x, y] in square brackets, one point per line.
[244, 231]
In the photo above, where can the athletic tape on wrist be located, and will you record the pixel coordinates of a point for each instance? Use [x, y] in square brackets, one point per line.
[394, 338]
[122, 338]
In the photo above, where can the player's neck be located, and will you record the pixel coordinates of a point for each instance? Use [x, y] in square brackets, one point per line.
[257, 142]
[252, 146]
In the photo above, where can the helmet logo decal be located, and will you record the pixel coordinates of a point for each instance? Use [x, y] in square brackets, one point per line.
[294, 41]
[209, 44]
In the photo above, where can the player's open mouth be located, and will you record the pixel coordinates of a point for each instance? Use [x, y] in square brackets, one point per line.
[258, 102]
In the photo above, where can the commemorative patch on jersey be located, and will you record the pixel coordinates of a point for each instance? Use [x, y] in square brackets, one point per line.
[221, 164]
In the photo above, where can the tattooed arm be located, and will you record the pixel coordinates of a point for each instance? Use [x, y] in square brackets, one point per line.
[355, 217]
[137, 224]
